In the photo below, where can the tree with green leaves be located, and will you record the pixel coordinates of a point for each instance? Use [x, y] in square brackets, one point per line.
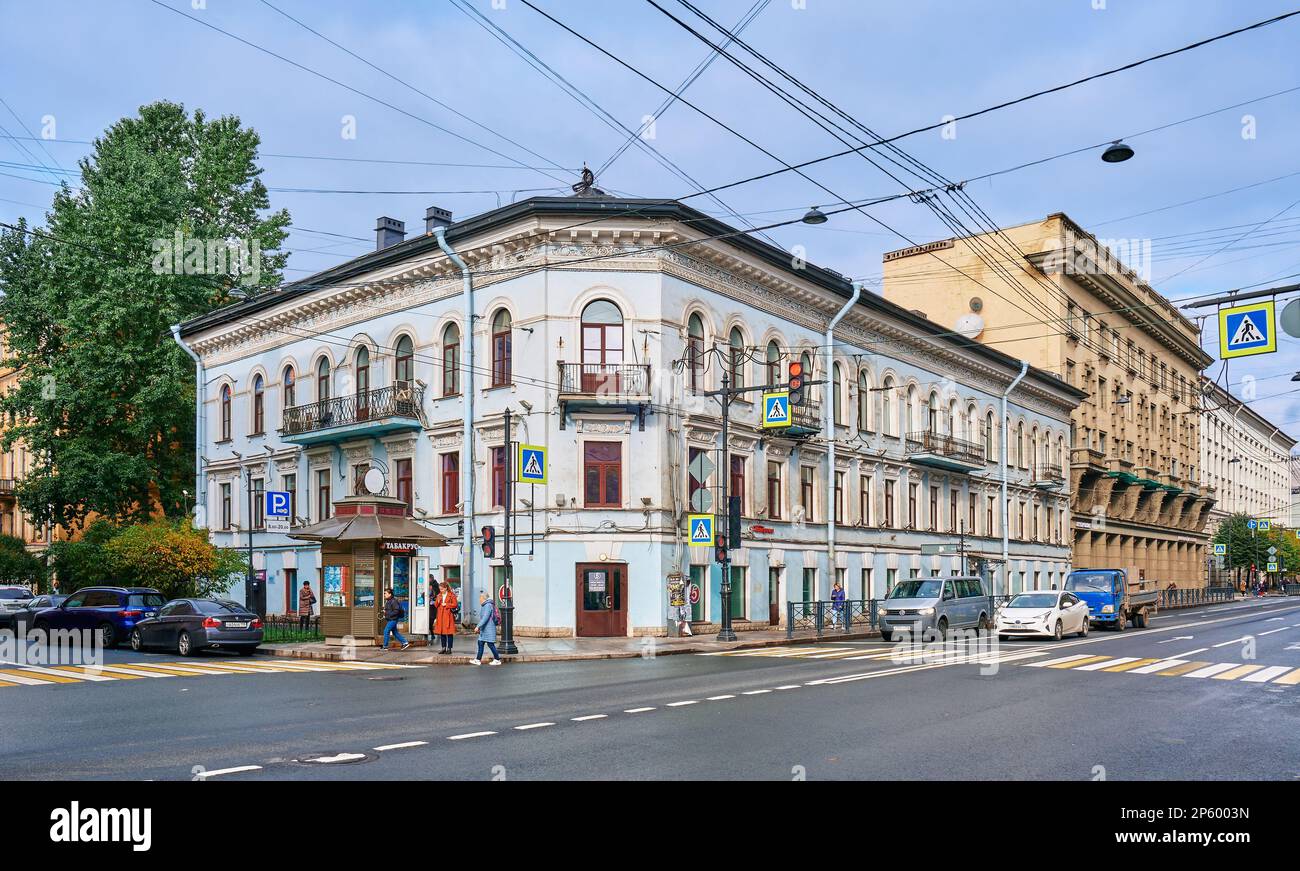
[169, 221]
[18, 565]
[1247, 547]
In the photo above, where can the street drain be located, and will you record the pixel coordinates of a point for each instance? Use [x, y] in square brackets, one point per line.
[331, 758]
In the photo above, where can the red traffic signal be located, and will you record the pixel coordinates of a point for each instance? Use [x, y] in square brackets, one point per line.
[720, 548]
[489, 542]
[795, 383]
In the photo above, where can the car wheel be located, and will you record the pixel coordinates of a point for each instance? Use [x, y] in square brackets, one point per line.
[1083, 628]
[1140, 620]
[886, 636]
[107, 636]
[942, 628]
[137, 643]
[985, 625]
[184, 646]
[1057, 633]
[1119, 623]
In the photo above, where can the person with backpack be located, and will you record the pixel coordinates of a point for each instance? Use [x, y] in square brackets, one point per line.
[488, 620]
[393, 613]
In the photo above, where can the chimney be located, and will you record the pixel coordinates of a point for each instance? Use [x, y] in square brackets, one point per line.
[436, 217]
[388, 232]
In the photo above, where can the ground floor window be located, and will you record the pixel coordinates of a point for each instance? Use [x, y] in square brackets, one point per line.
[698, 576]
[738, 593]
[291, 591]
[809, 584]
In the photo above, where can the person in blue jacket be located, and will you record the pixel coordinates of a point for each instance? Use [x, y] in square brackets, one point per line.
[488, 618]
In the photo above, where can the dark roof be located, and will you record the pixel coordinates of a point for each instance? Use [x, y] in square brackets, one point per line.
[595, 207]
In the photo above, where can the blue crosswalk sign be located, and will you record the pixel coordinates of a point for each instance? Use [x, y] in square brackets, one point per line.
[1265, 525]
[1247, 329]
[530, 466]
[776, 409]
[1220, 549]
[701, 528]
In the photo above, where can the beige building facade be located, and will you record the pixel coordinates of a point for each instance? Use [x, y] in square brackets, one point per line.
[1246, 458]
[1051, 294]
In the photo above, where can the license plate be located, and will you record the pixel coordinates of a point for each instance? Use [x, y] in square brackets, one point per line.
[236, 626]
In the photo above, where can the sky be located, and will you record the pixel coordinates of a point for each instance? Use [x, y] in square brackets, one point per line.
[70, 69]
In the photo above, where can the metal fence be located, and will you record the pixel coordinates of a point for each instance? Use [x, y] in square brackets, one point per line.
[288, 628]
[1192, 598]
[1291, 589]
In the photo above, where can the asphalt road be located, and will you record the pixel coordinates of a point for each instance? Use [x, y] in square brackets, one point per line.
[1205, 693]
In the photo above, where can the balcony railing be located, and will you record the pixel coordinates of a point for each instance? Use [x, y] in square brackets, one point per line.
[614, 381]
[402, 400]
[6, 486]
[1048, 473]
[943, 445]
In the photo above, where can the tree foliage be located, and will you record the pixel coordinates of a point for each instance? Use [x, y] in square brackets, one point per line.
[1247, 547]
[105, 399]
[17, 564]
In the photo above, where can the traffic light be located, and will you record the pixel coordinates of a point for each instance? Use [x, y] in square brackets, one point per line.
[733, 519]
[796, 383]
[720, 548]
[489, 542]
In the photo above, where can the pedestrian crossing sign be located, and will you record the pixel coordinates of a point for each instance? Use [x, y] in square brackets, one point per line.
[701, 527]
[1272, 567]
[776, 409]
[1265, 525]
[1220, 549]
[530, 467]
[1247, 329]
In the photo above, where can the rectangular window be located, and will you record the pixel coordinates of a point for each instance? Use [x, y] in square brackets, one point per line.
[602, 474]
[952, 510]
[451, 369]
[259, 503]
[891, 578]
[498, 476]
[806, 493]
[990, 528]
[323, 494]
[738, 481]
[225, 506]
[889, 504]
[866, 584]
[450, 482]
[839, 497]
[291, 487]
[934, 509]
[773, 490]
[970, 514]
[911, 506]
[405, 490]
[864, 500]
[809, 584]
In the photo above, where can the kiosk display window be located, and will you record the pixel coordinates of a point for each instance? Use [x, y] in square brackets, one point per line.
[335, 586]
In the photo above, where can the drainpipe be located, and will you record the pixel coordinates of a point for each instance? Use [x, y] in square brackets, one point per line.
[1006, 515]
[828, 423]
[200, 418]
[467, 432]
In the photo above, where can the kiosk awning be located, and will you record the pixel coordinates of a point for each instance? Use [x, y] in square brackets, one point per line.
[363, 518]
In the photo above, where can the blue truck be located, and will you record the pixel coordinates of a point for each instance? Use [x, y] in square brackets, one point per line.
[1113, 600]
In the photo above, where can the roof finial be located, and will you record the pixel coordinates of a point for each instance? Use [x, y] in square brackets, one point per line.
[587, 184]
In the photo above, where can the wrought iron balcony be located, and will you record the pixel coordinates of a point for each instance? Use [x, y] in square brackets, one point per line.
[604, 387]
[1048, 475]
[372, 412]
[6, 487]
[944, 451]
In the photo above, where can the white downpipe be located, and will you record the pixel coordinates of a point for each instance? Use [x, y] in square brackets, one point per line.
[828, 424]
[1006, 511]
[467, 433]
[200, 418]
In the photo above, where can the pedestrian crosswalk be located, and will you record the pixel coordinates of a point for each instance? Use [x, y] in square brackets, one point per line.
[1278, 675]
[14, 675]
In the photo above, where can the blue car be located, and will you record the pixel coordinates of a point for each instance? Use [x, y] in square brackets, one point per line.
[112, 612]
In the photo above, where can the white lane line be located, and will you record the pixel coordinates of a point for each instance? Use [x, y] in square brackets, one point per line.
[719, 698]
[1271, 631]
[791, 686]
[469, 735]
[401, 746]
[124, 669]
[1267, 674]
[57, 672]
[1212, 670]
[1190, 653]
[680, 704]
[1058, 661]
[204, 775]
[755, 692]
[1107, 663]
[588, 717]
[527, 726]
[1157, 666]
[638, 710]
[1233, 641]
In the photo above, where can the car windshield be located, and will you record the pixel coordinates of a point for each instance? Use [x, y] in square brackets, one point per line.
[145, 600]
[1033, 600]
[218, 606]
[916, 590]
[1099, 581]
[14, 593]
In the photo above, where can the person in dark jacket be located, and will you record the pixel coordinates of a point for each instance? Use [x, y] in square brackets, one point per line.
[393, 613]
[306, 598]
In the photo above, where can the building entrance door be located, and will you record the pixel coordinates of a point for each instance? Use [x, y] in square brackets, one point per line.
[601, 600]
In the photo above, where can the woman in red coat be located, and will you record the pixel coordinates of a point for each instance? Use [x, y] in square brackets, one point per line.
[444, 625]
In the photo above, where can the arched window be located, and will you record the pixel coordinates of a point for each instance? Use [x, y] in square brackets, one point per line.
[323, 380]
[888, 418]
[953, 418]
[259, 406]
[737, 357]
[290, 388]
[774, 375]
[913, 410]
[404, 367]
[225, 412]
[602, 347]
[363, 383]
[501, 348]
[932, 413]
[1034, 457]
[451, 360]
[837, 395]
[694, 350]
[989, 446]
[864, 402]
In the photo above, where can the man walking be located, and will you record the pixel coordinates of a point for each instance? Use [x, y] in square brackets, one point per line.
[393, 613]
[306, 598]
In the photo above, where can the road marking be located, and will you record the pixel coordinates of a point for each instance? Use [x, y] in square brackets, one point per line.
[1182, 669]
[1059, 660]
[527, 726]
[19, 677]
[1098, 666]
[1189, 653]
[789, 686]
[204, 775]
[1129, 666]
[1233, 641]
[681, 704]
[588, 717]
[1158, 666]
[1291, 679]
[1272, 631]
[56, 672]
[1210, 670]
[1077, 663]
[401, 746]
[755, 692]
[719, 698]
[468, 735]
[5, 683]
[1267, 674]
[178, 668]
[638, 710]
[1239, 671]
[170, 671]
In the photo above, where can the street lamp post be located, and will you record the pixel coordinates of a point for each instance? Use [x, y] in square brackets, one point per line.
[507, 588]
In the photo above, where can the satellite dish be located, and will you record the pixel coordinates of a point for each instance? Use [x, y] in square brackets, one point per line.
[970, 325]
[373, 482]
[1289, 320]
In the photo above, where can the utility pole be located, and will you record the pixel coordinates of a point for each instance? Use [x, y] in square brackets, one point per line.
[508, 598]
[250, 595]
[726, 633]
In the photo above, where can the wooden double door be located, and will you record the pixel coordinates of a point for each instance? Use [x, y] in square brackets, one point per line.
[601, 599]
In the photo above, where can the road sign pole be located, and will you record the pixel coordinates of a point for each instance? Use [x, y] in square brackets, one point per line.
[726, 633]
[508, 645]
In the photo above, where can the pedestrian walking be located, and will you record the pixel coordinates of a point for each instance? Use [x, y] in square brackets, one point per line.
[445, 624]
[837, 604]
[306, 598]
[488, 619]
[393, 613]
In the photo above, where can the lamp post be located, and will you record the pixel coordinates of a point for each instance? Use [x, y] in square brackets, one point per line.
[507, 589]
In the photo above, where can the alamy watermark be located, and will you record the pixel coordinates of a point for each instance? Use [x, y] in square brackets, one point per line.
[182, 255]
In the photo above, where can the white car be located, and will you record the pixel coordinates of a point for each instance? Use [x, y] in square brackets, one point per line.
[1052, 613]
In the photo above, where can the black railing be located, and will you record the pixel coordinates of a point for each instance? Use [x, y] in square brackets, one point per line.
[402, 400]
[6, 486]
[288, 628]
[1291, 589]
[1048, 473]
[848, 616]
[929, 442]
[612, 380]
[1192, 598]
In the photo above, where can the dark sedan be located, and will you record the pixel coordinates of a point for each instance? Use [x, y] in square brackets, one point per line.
[190, 625]
[26, 615]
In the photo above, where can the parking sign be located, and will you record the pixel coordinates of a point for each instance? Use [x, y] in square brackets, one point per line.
[278, 517]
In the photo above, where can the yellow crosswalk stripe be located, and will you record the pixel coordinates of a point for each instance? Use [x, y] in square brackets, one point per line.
[1182, 669]
[96, 670]
[1125, 666]
[45, 678]
[1078, 662]
[1289, 679]
[146, 667]
[5, 683]
[1239, 671]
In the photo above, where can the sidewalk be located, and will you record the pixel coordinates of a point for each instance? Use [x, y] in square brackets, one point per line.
[565, 649]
